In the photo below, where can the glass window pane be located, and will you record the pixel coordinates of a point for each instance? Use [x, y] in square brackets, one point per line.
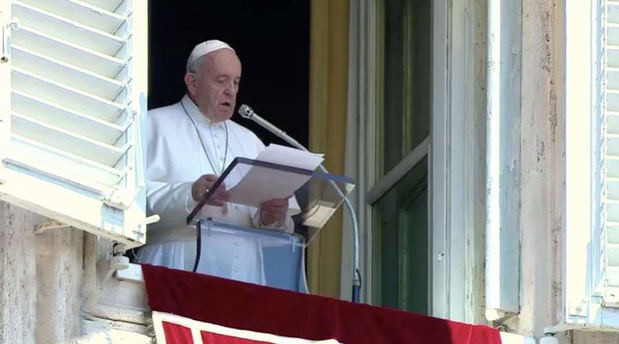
[406, 79]
[400, 232]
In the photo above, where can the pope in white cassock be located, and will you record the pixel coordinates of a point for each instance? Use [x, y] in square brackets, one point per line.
[190, 143]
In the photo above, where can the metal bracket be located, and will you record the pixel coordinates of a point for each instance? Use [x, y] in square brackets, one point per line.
[132, 274]
[49, 225]
[119, 200]
[116, 263]
[611, 297]
[119, 249]
[6, 39]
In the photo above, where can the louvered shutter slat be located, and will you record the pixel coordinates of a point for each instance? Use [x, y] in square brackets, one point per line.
[612, 57]
[610, 137]
[70, 86]
[77, 98]
[65, 118]
[613, 277]
[612, 144]
[612, 211]
[612, 123]
[610, 229]
[60, 27]
[39, 153]
[114, 6]
[612, 191]
[66, 74]
[611, 167]
[613, 256]
[65, 140]
[88, 172]
[613, 34]
[613, 14]
[612, 242]
[72, 98]
[80, 12]
[613, 79]
[68, 52]
[612, 101]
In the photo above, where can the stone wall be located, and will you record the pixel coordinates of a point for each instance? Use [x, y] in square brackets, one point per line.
[51, 287]
[40, 277]
[541, 156]
[542, 176]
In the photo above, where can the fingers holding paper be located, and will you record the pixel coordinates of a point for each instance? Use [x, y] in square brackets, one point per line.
[204, 184]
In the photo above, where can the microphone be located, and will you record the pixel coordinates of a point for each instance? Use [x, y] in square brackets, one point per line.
[247, 112]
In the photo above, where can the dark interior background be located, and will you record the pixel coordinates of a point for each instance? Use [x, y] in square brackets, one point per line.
[271, 37]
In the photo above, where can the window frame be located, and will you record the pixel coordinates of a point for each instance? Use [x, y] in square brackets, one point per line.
[453, 281]
[382, 183]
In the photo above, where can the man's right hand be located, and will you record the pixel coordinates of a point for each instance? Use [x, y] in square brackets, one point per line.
[203, 184]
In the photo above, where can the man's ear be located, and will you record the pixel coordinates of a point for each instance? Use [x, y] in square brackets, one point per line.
[191, 84]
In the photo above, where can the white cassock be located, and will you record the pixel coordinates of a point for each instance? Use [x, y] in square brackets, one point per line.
[175, 159]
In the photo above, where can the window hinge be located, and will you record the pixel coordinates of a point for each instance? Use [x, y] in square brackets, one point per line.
[120, 199]
[611, 297]
[6, 39]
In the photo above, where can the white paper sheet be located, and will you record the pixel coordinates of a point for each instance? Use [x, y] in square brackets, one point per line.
[260, 184]
[282, 155]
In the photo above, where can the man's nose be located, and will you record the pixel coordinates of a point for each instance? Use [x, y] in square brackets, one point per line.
[231, 90]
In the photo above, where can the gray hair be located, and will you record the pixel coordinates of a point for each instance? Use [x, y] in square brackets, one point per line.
[195, 64]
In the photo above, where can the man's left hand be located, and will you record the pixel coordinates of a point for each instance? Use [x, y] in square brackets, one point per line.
[273, 211]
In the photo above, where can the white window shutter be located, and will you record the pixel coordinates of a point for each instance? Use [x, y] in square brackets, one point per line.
[610, 155]
[71, 146]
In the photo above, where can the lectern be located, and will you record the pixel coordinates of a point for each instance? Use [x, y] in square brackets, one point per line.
[266, 256]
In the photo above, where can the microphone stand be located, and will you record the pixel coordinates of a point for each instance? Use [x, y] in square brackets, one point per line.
[246, 112]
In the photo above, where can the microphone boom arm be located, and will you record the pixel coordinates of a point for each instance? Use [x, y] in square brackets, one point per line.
[246, 112]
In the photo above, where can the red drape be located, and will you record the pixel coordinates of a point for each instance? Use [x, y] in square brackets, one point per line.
[285, 313]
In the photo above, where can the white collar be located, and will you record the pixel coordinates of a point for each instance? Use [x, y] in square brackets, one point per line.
[194, 112]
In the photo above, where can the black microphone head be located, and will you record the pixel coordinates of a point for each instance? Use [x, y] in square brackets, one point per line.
[246, 112]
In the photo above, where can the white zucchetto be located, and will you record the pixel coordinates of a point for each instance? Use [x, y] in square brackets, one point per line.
[205, 48]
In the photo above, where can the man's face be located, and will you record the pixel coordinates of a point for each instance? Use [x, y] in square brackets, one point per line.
[214, 85]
